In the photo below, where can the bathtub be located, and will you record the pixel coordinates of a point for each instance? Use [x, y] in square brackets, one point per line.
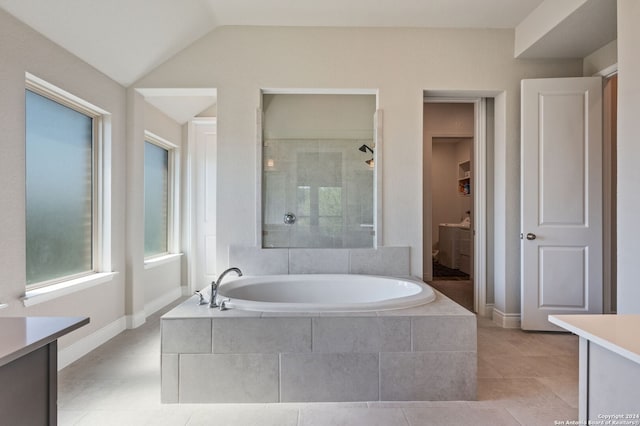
[324, 293]
[319, 338]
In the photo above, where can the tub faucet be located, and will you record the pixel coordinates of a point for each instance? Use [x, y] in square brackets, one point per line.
[216, 284]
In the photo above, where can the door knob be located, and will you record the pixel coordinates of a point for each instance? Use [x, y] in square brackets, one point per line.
[531, 236]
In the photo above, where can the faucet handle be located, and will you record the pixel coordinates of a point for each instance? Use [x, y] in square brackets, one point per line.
[201, 301]
[223, 304]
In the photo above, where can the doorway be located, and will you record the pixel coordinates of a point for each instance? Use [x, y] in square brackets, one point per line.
[457, 130]
[449, 129]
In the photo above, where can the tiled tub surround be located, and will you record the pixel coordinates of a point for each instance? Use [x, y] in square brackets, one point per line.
[387, 261]
[418, 354]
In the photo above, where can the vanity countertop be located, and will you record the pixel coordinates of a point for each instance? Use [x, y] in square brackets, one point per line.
[21, 335]
[617, 333]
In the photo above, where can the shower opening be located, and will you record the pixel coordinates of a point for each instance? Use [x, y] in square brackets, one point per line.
[318, 170]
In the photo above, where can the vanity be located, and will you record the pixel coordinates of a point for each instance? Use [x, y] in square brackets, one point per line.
[29, 367]
[609, 369]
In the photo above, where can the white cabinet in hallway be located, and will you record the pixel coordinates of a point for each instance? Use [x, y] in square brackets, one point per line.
[455, 247]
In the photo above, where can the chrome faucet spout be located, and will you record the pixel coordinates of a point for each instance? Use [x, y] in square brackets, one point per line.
[215, 285]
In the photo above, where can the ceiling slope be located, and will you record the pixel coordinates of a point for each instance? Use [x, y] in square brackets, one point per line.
[126, 39]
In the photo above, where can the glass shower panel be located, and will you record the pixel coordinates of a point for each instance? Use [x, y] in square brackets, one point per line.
[326, 184]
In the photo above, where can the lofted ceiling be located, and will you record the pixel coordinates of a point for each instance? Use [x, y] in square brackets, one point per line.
[127, 39]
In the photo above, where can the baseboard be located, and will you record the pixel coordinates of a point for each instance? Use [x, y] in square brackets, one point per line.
[77, 350]
[160, 302]
[185, 291]
[136, 320]
[506, 320]
[488, 311]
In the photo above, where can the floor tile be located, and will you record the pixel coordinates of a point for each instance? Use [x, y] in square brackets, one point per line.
[240, 416]
[438, 416]
[565, 387]
[352, 417]
[514, 366]
[70, 417]
[523, 377]
[526, 392]
[544, 416]
[134, 418]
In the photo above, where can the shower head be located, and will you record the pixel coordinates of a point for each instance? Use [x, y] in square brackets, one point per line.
[364, 148]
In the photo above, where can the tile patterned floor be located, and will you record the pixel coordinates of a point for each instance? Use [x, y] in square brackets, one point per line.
[460, 291]
[524, 378]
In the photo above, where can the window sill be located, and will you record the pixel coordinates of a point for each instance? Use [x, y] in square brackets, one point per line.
[153, 262]
[44, 294]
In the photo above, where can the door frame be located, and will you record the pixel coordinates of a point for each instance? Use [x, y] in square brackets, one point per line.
[608, 202]
[479, 231]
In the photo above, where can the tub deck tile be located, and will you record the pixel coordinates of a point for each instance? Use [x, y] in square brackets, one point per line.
[261, 335]
[358, 334]
[329, 377]
[215, 378]
[444, 376]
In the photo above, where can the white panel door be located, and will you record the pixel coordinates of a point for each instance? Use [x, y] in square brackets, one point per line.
[561, 199]
[204, 202]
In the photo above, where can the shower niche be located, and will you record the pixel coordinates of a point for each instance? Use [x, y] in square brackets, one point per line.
[319, 174]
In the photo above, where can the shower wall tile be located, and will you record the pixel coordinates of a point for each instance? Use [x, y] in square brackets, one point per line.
[261, 335]
[329, 377]
[318, 261]
[389, 261]
[258, 261]
[215, 378]
[361, 334]
[444, 376]
[186, 335]
[442, 333]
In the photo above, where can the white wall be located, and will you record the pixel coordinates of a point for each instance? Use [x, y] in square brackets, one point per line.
[541, 21]
[121, 301]
[601, 59]
[628, 156]
[23, 50]
[144, 286]
[164, 279]
[400, 64]
[318, 116]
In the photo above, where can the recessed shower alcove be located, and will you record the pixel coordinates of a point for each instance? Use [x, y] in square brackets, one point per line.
[319, 154]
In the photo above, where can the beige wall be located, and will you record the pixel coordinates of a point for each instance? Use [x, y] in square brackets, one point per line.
[23, 50]
[400, 64]
[444, 197]
[464, 152]
[163, 279]
[447, 205]
[628, 156]
[601, 59]
[143, 287]
[318, 116]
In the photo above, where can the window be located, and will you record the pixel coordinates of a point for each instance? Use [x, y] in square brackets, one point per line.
[65, 190]
[159, 196]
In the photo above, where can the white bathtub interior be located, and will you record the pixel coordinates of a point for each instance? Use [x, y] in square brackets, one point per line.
[323, 292]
